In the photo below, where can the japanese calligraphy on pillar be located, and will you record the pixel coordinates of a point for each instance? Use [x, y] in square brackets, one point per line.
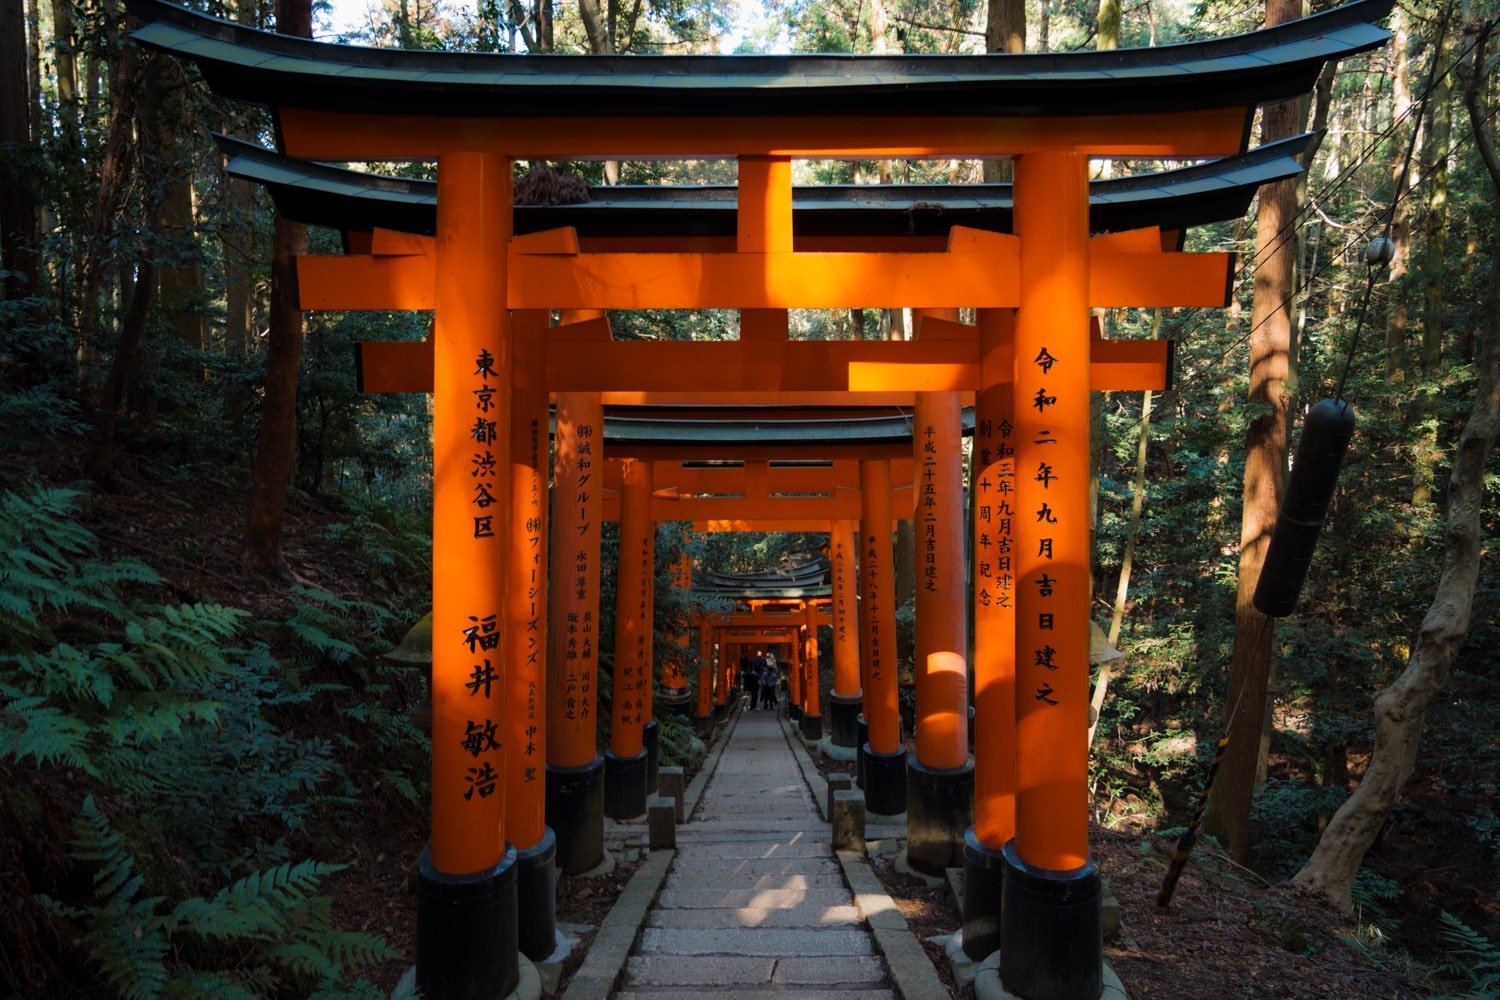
[535, 635]
[480, 739]
[580, 653]
[994, 515]
[1054, 540]
[483, 432]
[927, 508]
[842, 565]
[875, 661]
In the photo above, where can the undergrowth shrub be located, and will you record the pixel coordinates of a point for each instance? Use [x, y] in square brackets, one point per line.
[166, 738]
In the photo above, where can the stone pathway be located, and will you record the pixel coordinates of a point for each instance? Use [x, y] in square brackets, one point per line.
[755, 905]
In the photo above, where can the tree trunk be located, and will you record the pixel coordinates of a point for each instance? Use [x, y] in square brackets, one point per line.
[125, 82]
[101, 449]
[1427, 452]
[181, 293]
[1109, 24]
[66, 65]
[1401, 103]
[18, 223]
[1004, 31]
[1228, 815]
[275, 444]
[1401, 708]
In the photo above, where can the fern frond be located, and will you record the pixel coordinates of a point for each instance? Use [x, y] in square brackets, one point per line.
[31, 728]
[262, 904]
[125, 934]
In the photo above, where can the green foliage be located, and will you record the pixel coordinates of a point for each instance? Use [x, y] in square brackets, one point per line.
[267, 919]
[1476, 960]
[157, 709]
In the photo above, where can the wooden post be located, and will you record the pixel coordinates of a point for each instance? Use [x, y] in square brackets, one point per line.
[884, 767]
[812, 703]
[625, 781]
[466, 917]
[846, 699]
[575, 770]
[994, 596]
[1051, 910]
[525, 642]
[940, 781]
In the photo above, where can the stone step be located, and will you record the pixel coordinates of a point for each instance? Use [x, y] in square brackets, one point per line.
[711, 971]
[725, 872]
[767, 850]
[736, 898]
[690, 881]
[796, 916]
[743, 994]
[756, 941]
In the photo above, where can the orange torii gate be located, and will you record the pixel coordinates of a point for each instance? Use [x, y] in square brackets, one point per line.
[1052, 112]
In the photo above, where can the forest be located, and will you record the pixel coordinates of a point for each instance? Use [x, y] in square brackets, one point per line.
[211, 780]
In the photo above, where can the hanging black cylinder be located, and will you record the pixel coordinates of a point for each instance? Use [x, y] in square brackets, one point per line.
[1326, 432]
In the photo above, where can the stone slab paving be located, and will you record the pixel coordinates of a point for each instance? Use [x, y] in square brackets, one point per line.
[755, 906]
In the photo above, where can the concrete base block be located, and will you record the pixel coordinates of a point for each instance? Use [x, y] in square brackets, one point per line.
[670, 786]
[661, 822]
[833, 751]
[849, 821]
[1113, 923]
[987, 983]
[837, 782]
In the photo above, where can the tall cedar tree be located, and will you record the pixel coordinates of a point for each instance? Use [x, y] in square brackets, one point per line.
[1401, 709]
[18, 228]
[274, 448]
[1228, 815]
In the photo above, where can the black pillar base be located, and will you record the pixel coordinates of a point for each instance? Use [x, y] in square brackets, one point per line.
[984, 878]
[939, 808]
[885, 782]
[1051, 931]
[674, 701]
[575, 815]
[721, 710]
[536, 897]
[651, 740]
[862, 734]
[812, 726]
[624, 786]
[466, 931]
[844, 720]
[793, 712]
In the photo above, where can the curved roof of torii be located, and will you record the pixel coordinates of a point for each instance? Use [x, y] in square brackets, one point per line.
[1259, 67]
[318, 194]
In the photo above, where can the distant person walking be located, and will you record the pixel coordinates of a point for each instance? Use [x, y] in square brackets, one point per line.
[750, 677]
[768, 685]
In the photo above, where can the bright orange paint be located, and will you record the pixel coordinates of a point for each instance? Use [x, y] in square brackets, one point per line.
[632, 676]
[994, 594]
[812, 702]
[877, 587]
[468, 541]
[1052, 514]
[573, 669]
[843, 551]
[705, 703]
[941, 618]
[525, 638]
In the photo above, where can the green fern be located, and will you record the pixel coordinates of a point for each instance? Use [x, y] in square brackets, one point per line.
[1477, 959]
[270, 918]
[125, 938]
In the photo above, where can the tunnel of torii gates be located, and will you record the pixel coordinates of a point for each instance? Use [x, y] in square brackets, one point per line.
[494, 363]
